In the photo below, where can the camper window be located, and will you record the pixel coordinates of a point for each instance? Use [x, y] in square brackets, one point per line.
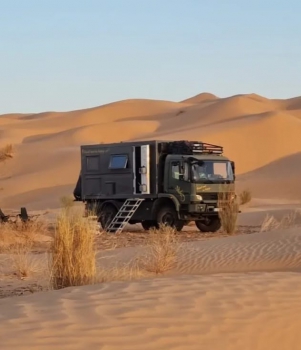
[92, 163]
[118, 161]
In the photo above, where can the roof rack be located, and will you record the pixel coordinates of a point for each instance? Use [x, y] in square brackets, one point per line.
[201, 147]
[191, 147]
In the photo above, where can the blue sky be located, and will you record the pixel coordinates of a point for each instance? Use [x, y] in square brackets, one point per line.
[65, 55]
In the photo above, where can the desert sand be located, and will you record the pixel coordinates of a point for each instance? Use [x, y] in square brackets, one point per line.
[262, 136]
[225, 293]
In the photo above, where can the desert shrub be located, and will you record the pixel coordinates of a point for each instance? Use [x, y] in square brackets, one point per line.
[161, 250]
[291, 219]
[20, 233]
[17, 239]
[6, 152]
[229, 208]
[245, 197]
[91, 210]
[72, 254]
[67, 202]
[24, 263]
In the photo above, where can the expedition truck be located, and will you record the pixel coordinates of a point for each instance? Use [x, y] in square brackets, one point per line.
[154, 182]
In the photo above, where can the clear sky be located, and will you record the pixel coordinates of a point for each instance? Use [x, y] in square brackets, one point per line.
[71, 54]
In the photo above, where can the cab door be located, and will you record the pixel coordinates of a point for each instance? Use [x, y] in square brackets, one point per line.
[178, 184]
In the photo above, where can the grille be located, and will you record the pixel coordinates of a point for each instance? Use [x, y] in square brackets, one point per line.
[209, 196]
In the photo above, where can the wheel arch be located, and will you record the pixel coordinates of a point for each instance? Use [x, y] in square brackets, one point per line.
[165, 199]
[115, 204]
[112, 202]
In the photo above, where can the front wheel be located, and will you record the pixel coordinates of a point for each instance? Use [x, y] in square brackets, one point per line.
[148, 224]
[169, 217]
[209, 224]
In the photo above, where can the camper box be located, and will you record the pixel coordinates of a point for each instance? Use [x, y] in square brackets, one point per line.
[120, 170]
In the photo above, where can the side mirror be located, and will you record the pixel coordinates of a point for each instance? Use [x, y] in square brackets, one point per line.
[181, 171]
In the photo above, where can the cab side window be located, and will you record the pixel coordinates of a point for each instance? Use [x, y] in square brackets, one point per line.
[175, 170]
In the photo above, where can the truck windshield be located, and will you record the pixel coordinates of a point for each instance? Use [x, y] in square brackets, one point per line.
[212, 172]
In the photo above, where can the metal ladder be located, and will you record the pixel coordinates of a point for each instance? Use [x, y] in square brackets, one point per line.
[124, 215]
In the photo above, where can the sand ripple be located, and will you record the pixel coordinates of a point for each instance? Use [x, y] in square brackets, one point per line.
[223, 311]
[268, 251]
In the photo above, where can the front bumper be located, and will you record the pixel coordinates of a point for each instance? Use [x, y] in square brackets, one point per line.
[209, 208]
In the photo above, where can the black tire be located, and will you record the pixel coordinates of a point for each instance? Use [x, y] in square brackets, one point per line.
[211, 224]
[148, 224]
[168, 216]
[106, 215]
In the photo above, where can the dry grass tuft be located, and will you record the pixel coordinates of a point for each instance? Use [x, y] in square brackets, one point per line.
[17, 233]
[6, 152]
[17, 239]
[270, 223]
[121, 272]
[24, 263]
[229, 208]
[161, 250]
[67, 202]
[91, 210]
[245, 197]
[72, 255]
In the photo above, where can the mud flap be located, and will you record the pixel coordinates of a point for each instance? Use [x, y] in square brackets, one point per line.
[77, 193]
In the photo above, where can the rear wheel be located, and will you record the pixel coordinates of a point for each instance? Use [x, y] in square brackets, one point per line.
[107, 215]
[209, 224]
[168, 216]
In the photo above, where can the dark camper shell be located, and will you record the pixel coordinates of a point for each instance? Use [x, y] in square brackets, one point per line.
[120, 170]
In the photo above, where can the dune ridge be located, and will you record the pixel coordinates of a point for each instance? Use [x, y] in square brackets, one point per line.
[255, 132]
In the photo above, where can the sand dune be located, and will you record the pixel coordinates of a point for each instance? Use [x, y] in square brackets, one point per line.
[200, 98]
[220, 312]
[290, 104]
[255, 132]
[258, 252]
[265, 251]
[285, 179]
[239, 292]
[224, 294]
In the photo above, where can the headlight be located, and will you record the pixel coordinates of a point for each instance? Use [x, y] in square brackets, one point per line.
[199, 198]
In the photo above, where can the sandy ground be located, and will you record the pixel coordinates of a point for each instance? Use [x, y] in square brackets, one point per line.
[224, 293]
[233, 311]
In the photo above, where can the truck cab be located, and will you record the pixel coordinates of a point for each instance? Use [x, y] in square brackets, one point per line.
[196, 181]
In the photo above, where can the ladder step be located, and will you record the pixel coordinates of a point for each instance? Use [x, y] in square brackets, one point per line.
[127, 210]
[125, 213]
